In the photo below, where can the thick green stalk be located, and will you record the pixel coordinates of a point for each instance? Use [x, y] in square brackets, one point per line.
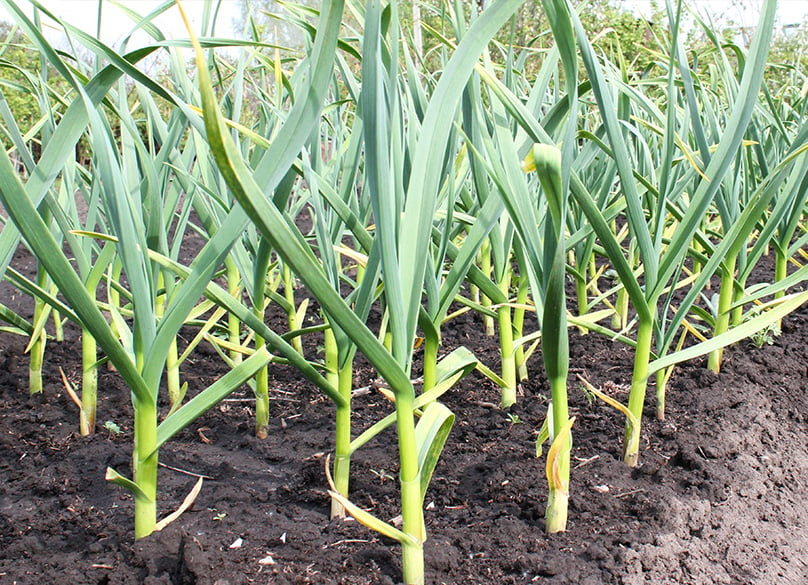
[485, 266]
[474, 293]
[555, 336]
[114, 298]
[780, 272]
[175, 394]
[260, 266]
[736, 315]
[636, 397]
[37, 356]
[58, 322]
[385, 335]
[41, 310]
[519, 324]
[291, 316]
[593, 274]
[261, 389]
[780, 268]
[697, 263]
[89, 382]
[233, 322]
[332, 375]
[412, 554]
[412, 561]
[144, 467]
[555, 517]
[341, 378]
[37, 349]
[581, 293]
[620, 317]
[725, 297]
[342, 451]
[173, 386]
[474, 290]
[431, 346]
[507, 357]
[661, 386]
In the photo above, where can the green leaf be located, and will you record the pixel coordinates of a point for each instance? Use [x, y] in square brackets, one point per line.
[450, 370]
[460, 361]
[14, 319]
[113, 476]
[782, 307]
[286, 240]
[556, 477]
[633, 421]
[431, 433]
[210, 396]
[278, 344]
[544, 434]
[29, 222]
[370, 521]
[60, 147]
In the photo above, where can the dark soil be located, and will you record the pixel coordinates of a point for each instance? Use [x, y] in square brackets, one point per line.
[720, 496]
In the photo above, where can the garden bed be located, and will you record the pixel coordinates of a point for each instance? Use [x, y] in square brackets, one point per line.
[719, 497]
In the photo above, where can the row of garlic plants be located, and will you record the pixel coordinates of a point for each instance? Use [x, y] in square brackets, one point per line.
[423, 198]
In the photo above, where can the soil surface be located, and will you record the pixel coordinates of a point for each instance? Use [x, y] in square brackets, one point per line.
[719, 498]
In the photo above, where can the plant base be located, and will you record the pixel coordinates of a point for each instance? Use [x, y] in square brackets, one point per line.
[555, 518]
